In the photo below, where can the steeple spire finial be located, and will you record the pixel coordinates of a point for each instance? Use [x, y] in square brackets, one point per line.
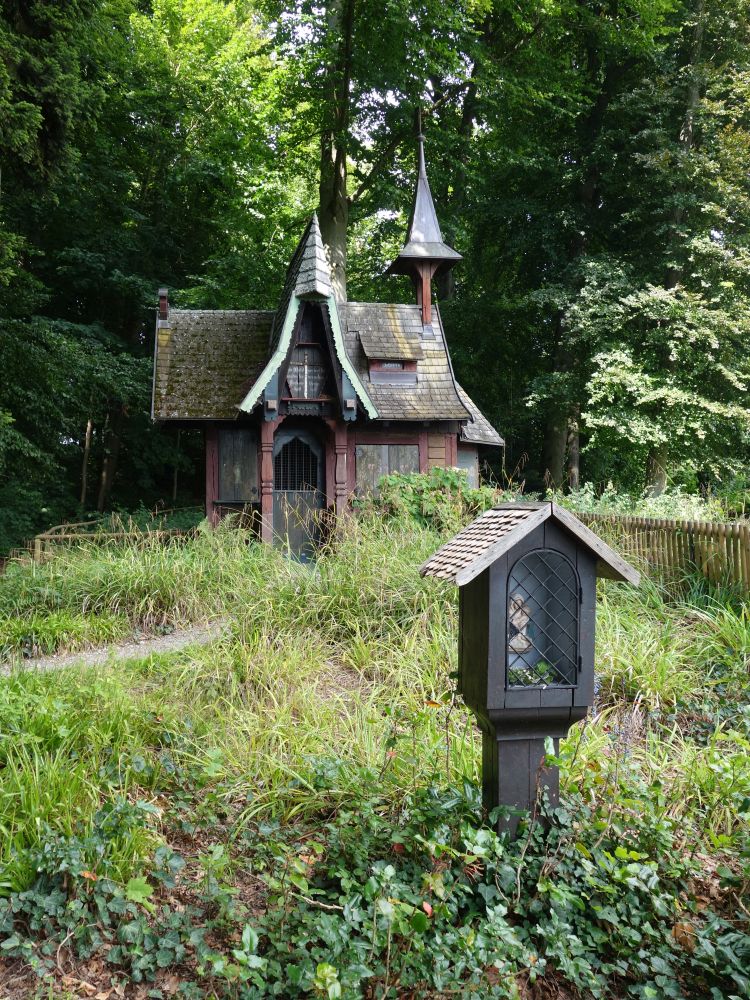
[422, 169]
[424, 254]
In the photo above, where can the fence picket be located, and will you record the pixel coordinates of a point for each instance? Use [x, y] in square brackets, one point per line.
[745, 553]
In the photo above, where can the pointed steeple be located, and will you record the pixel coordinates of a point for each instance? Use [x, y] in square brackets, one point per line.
[424, 254]
[313, 276]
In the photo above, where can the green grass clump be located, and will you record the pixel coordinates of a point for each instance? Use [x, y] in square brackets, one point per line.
[36, 634]
[76, 596]
[646, 648]
[71, 741]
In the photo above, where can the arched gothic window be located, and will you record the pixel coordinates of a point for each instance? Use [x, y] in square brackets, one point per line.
[543, 621]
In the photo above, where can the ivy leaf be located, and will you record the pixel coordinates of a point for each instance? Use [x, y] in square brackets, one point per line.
[139, 891]
[249, 939]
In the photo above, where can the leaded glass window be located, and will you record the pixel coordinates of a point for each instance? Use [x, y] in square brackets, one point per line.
[308, 373]
[543, 606]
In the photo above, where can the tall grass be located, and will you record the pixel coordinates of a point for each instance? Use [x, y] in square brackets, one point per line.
[69, 742]
[91, 592]
[331, 675]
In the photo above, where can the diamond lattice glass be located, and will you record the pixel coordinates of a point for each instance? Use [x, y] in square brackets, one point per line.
[543, 602]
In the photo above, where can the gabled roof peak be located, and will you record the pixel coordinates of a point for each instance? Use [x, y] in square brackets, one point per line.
[424, 240]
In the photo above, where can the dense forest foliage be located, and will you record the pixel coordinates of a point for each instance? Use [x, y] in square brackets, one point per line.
[588, 157]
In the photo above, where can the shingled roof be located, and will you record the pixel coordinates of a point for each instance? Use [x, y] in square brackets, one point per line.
[435, 396]
[210, 365]
[208, 360]
[386, 332]
[478, 429]
[496, 531]
[205, 360]
[308, 276]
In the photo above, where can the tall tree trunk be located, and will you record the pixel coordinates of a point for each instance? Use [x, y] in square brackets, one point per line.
[556, 427]
[553, 456]
[658, 455]
[574, 450]
[112, 432]
[334, 205]
[85, 463]
[656, 470]
[556, 423]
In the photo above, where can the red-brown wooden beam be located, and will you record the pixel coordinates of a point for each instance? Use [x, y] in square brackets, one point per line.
[267, 430]
[212, 474]
[425, 274]
[341, 482]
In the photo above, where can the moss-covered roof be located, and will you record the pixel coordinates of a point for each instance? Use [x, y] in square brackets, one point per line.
[206, 360]
[386, 332]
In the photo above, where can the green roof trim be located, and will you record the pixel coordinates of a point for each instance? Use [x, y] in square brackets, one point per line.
[253, 397]
[338, 341]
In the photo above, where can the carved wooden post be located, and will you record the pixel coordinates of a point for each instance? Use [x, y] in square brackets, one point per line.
[267, 429]
[341, 487]
[212, 475]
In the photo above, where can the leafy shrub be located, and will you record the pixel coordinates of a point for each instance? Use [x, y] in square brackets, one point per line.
[440, 499]
[413, 895]
[671, 504]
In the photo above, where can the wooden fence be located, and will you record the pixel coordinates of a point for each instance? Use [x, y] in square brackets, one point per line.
[99, 532]
[721, 551]
[66, 534]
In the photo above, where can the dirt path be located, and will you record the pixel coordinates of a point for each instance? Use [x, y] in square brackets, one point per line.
[195, 635]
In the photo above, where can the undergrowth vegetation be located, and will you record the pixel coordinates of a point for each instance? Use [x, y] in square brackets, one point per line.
[294, 809]
[672, 503]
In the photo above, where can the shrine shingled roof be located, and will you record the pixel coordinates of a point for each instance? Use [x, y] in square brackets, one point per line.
[496, 531]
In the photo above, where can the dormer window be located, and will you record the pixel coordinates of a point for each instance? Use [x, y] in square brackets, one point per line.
[310, 376]
[393, 347]
[387, 372]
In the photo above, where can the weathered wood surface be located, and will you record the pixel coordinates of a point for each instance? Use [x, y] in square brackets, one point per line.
[671, 547]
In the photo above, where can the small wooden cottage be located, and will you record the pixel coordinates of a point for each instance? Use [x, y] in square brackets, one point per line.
[310, 403]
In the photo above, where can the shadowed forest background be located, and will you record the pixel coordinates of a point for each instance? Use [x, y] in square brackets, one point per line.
[589, 160]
